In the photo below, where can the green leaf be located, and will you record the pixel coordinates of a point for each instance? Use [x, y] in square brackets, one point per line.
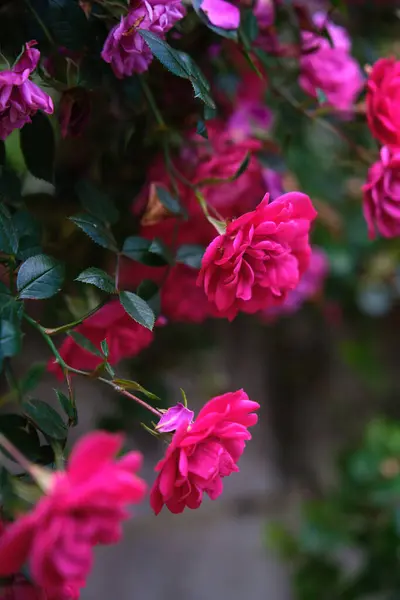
[67, 22]
[6, 299]
[139, 249]
[201, 129]
[96, 202]
[159, 248]
[17, 429]
[10, 338]
[149, 291]
[167, 56]
[321, 96]
[99, 278]
[38, 147]
[29, 234]
[40, 277]
[138, 309]
[249, 26]
[190, 255]
[170, 202]
[96, 230]
[68, 407]
[104, 348]
[31, 380]
[8, 233]
[127, 384]
[85, 343]
[180, 64]
[45, 418]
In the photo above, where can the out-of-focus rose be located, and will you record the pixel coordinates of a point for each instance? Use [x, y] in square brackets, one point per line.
[330, 69]
[125, 338]
[383, 101]
[83, 507]
[20, 98]
[261, 256]
[381, 200]
[221, 14]
[125, 49]
[309, 286]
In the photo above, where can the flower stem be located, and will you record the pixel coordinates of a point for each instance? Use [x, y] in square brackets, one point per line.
[68, 326]
[153, 105]
[15, 453]
[67, 368]
[40, 22]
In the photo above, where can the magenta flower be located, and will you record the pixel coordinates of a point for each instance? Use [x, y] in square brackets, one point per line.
[381, 201]
[83, 507]
[330, 69]
[174, 417]
[260, 257]
[125, 49]
[20, 98]
[309, 286]
[202, 453]
[221, 14]
[124, 336]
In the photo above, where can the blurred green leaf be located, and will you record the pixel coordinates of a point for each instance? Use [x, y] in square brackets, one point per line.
[96, 202]
[46, 419]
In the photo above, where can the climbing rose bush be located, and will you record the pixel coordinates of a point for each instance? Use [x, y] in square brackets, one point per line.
[163, 164]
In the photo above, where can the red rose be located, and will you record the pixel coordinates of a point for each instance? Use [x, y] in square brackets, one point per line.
[383, 101]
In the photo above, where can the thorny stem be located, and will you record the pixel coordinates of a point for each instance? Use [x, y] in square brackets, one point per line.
[63, 328]
[69, 369]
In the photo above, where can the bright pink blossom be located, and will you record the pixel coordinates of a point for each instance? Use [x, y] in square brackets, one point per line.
[125, 338]
[260, 257]
[221, 14]
[203, 452]
[383, 101]
[125, 49]
[20, 98]
[381, 201]
[309, 286]
[330, 69]
[173, 417]
[84, 506]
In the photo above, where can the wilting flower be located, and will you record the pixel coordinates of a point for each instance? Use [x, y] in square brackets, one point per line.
[221, 14]
[261, 256]
[330, 69]
[125, 338]
[83, 507]
[20, 98]
[381, 200]
[383, 101]
[309, 286]
[125, 49]
[203, 452]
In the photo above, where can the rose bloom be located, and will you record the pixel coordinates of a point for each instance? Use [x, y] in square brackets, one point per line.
[125, 338]
[84, 506]
[330, 69]
[203, 452]
[182, 300]
[381, 195]
[221, 14]
[261, 256]
[20, 589]
[125, 49]
[20, 98]
[309, 286]
[383, 101]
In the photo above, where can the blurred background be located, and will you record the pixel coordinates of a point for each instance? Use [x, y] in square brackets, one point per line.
[314, 513]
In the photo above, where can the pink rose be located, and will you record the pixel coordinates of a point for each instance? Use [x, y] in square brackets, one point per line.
[20, 589]
[260, 257]
[83, 507]
[330, 69]
[182, 300]
[221, 14]
[309, 286]
[383, 101]
[20, 98]
[221, 160]
[124, 336]
[265, 12]
[125, 49]
[381, 200]
[202, 452]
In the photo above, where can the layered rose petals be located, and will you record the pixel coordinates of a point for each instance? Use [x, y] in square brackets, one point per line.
[383, 101]
[260, 258]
